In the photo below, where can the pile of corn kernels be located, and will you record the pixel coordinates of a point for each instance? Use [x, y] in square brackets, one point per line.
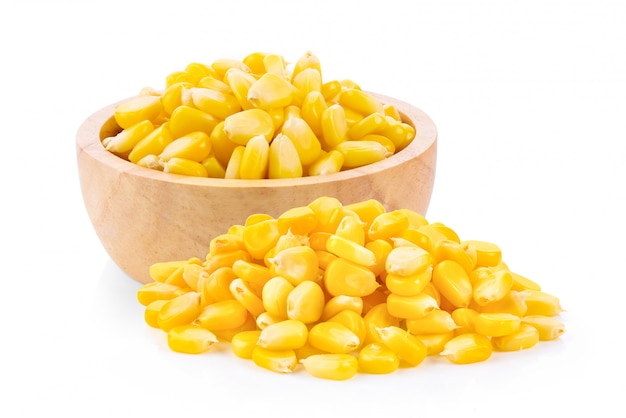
[339, 289]
[257, 118]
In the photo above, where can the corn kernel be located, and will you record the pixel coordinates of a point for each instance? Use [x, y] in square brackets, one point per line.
[271, 91]
[289, 334]
[308, 60]
[493, 288]
[260, 237]
[411, 307]
[408, 285]
[377, 358]
[496, 324]
[372, 123]
[435, 343]
[331, 89]
[306, 302]
[513, 302]
[327, 163]
[334, 126]
[312, 109]
[437, 321]
[542, 303]
[152, 291]
[407, 346]
[255, 159]
[299, 221]
[152, 144]
[350, 250]
[305, 81]
[333, 337]
[284, 161]
[186, 119]
[190, 339]
[452, 281]
[240, 82]
[181, 310]
[279, 361]
[126, 140]
[464, 254]
[525, 337]
[360, 101]
[195, 146]
[548, 327]
[234, 163]
[221, 315]
[243, 293]
[215, 286]
[185, 167]
[151, 312]
[358, 153]
[242, 126]
[331, 366]
[224, 259]
[221, 147]
[464, 319]
[408, 261]
[215, 102]
[488, 254]
[341, 303]
[141, 108]
[467, 348]
[353, 321]
[388, 225]
[228, 334]
[252, 273]
[264, 320]
[523, 283]
[343, 277]
[296, 264]
[244, 342]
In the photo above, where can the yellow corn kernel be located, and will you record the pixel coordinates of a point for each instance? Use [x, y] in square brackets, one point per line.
[271, 91]
[190, 339]
[496, 324]
[312, 109]
[372, 123]
[357, 153]
[181, 310]
[138, 109]
[124, 141]
[350, 250]
[382, 140]
[225, 259]
[228, 334]
[513, 302]
[242, 126]
[299, 221]
[244, 342]
[437, 321]
[426, 236]
[452, 281]
[215, 102]
[408, 347]
[381, 250]
[150, 161]
[331, 366]
[152, 291]
[151, 312]
[340, 303]
[284, 161]
[289, 240]
[225, 243]
[304, 139]
[254, 62]
[239, 82]
[378, 316]
[279, 361]
[388, 225]
[274, 64]
[308, 60]
[195, 146]
[176, 278]
[360, 101]
[184, 167]
[306, 302]
[327, 163]
[222, 65]
[186, 119]
[431, 290]
[289, 334]
[333, 337]
[324, 207]
[252, 273]
[260, 237]
[408, 261]
[398, 132]
[234, 163]
[305, 81]
[435, 343]
[198, 71]
[334, 126]
[411, 307]
[160, 271]
[255, 159]
[192, 271]
[467, 348]
[464, 254]
[264, 320]
[317, 239]
[375, 358]
[542, 303]
[391, 111]
[493, 288]
[464, 319]
[343, 277]
[525, 337]
[172, 96]
[246, 296]
[215, 286]
[296, 264]
[152, 144]
[213, 167]
[521, 283]
[366, 210]
[548, 327]
[331, 89]
[274, 296]
[408, 285]
[212, 83]
[221, 315]
[221, 147]
[488, 254]
[351, 228]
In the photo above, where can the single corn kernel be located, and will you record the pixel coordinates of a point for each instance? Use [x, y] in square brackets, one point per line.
[225, 243]
[138, 109]
[391, 111]
[300, 220]
[378, 316]
[330, 89]
[435, 343]
[308, 60]
[126, 140]
[181, 310]
[242, 126]
[305, 81]
[360, 101]
[151, 161]
[243, 343]
[340, 303]
[408, 261]
[215, 102]
[377, 358]
[411, 307]
[271, 91]
[488, 254]
[334, 126]
[425, 236]
[192, 271]
[437, 321]
[172, 97]
[331, 366]
[333, 337]
[198, 71]
[407, 346]
[222, 65]
[496, 324]
[234, 163]
[381, 250]
[382, 140]
[151, 312]
[327, 163]
[152, 144]
[190, 339]
[240, 82]
[306, 302]
[400, 133]
[274, 64]
[288, 240]
[289, 334]
[353, 321]
[372, 123]
[222, 148]
[358, 153]
[253, 273]
[408, 285]
[255, 159]
[296, 264]
[152, 291]
[525, 337]
[284, 160]
[453, 282]
[160, 271]
[245, 295]
[523, 283]
[215, 286]
[343, 277]
[542, 303]
[350, 250]
[388, 225]
[186, 119]
[212, 83]
[185, 167]
[548, 327]
[227, 335]
[279, 361]
[493, 288]
[464, 319]
[513, 302]
[260, 237]
[464, 254]
[195, 146]
[221, 315]
[312, 109]
[264, 320]
[225, 259]
[467, 348]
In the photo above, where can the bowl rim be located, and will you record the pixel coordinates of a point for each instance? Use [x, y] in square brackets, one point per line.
[88, 140]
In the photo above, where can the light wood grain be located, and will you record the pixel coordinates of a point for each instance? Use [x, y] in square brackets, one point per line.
[143, 216]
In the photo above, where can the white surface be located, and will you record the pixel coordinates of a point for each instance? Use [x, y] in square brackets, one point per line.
[529, 100]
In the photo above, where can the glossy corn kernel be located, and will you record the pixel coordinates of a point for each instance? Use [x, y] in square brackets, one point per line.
[215, 286]
[334, 126]
[358, 153]
[151, 312]
[243, 343]
[408, 347]
[548, 327]
[240, 82]
[333, 337]
[377, 358]
[243, 293]
[214, 102]
[185, 167]
[372, 123]
[187, 119]
[159, 272]
[360, 101]
[152, 291]
[525, 337]
[513, 302]
[242, 126]
[279, 361]
[284, 160]
[408, 261]
[214, 168]
[221, 315]
[225, 259]
[124, 141]
[350, 250]
[260, 237]
[306, 302]
[341, 303]
[296, 264]
[464, 254]
[453, 282]
[312, 109]
[306, 61]
[464, 319]
[411, 307]
[542, 303]
[467, 348]
[488, 253]
[255, 159]
[435, 343]
[190, 339]
[496, 324]
[353, 321]
[378, 316]
[152, 144]
[493, 288]
[181, 310]
[398, 132]
[253, 273]
[388, 225]
[523, 283]
[343, 277]
[264, 320]
[271, 91]
[227, 335]
[138, 109]
[299, 221]
[331, 366]
[289, 334]
[195, 146]
[437, 321]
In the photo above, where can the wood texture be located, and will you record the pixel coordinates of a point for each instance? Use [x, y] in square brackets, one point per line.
[144, 216]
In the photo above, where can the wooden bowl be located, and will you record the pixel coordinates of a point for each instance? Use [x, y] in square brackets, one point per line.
[143, 216]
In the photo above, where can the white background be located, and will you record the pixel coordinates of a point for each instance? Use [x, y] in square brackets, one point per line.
[529, 98]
